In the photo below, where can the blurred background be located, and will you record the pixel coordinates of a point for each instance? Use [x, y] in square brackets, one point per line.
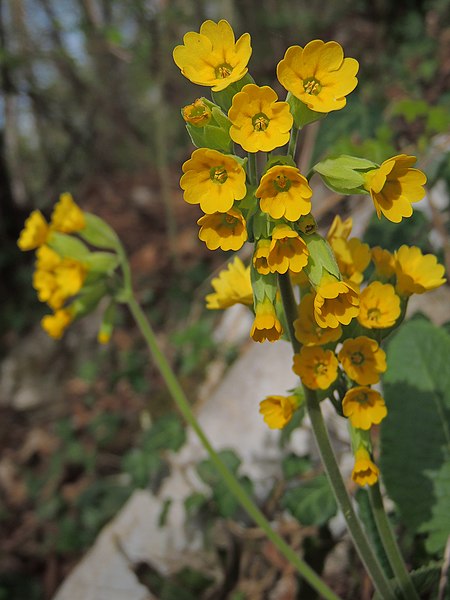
[90, 103]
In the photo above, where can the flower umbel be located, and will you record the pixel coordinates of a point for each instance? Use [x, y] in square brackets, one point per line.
[394, 186]
[232, 286]
[363, 360]
[213, 180]
[284, 192]
[417, 273]
[364, 407]
[379, 306]
[316, 367]
[278, 410]
[258, 121]
[212, 57]
[318, 75]
[365, 472]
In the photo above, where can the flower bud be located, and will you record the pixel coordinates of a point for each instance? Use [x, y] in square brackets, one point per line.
[197, 114]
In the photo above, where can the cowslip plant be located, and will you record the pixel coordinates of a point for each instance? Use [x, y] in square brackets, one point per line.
[301, 285]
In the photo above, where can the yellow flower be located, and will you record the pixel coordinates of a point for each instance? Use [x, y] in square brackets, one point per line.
[56, 279]
[352, 257]
[379, 306]
[365, 472]
[417, 273]
[212, 57]
[103, 337]
[56, 324]
[339, 228]
[232, 286]
[47, 259]
[335, 302]
[226, 231]
[307, 331]
[213, 180]
[287, 250]
[363, 360]
[258, 121]
[197, 114]
[69, 276]
[364, 407]
[316, 367]
[284, 192]
[278, 410]
[266, 325]
[67, 216]
[260, 256]
[384, 262]
[318, 75]
[394, 186]
[35, 232]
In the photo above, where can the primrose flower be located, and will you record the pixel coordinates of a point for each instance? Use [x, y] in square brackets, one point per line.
[55, 325]
[213, 180]
[232, 286]
[56, 281]
[363, 360]
[318, 75]
[67, 216]
[278, 410]
[364, 407]
[258, 121]
[335, 302]
[352, 257]
[260, 256]
[379, 306]
[284, 192]
[317, 368]
[266, 325]
[307, 331]
[365, 472]
[226, 231]
[212, 57]
[417, 273]
[287, 250]
[384, 262]
[339, 228]
[197, 114]
[394, 186]
[35, 232]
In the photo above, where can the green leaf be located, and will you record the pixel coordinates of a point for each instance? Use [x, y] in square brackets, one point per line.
[207, 471]
[294, 465]
[320, 257]
[301, 113]
[225, 98]
[98, 233]
[312, 502]
[425, 580]
[194, 502]
[344, 174]
[415, 438]
[167, 433]
[68, 246]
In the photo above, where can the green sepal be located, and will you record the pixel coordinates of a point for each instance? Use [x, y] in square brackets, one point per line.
[301, 113]
[321, 258]
[306, 225]
[214, 135]
[101, 262]
[68, 246]
[98, 233]
[260, 225]
[264, 286]
[279, 160]
[344, 174]
[109, 319]
[224, 98]
[88, 298]
[359, 438]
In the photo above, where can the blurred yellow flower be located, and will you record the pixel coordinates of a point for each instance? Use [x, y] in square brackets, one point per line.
[278, 410]
[287, 250]
[55, 325]
[365, 472]
[364, 407]
[335, 302]
[316, 367]
[67, 216]
[57, 280]
[379, 306]
[284, 192]
[318, 75]
[307, 331]
[417, 273]
[352, 257]
[232, 286]
[266, 325]
[363, 360]
[212, 57]
[339, 228]
[197, 114]
[384, 262]
[258, 121]
[260, 256]
[213, 180]
[35, 232]
[394, 186]
[226, 231]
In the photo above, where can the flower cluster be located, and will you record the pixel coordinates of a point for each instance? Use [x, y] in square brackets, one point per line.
[247, 196]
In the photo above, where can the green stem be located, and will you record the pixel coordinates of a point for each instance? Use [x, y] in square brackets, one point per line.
[390, 544]
[233, 484]
[293, 141]
[252, 170]
[362, 545]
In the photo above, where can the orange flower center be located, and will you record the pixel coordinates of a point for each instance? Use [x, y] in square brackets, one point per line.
[363, 398]
[281, 183]
[312, 86]
[223, 71]
[230, 220]
[357, 358]
[321, 368]
[260, 122]
[218, 174]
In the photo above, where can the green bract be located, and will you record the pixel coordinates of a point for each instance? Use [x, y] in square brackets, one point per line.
[345, 174]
